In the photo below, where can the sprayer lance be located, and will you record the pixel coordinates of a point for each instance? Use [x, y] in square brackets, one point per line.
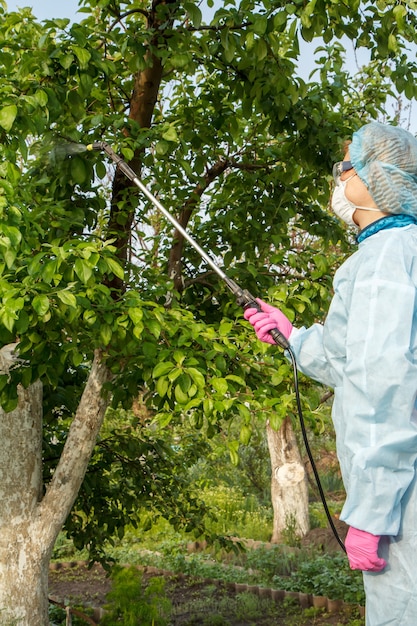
[243, 297]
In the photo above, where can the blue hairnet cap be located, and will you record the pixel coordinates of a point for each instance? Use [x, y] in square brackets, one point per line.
[385, 159]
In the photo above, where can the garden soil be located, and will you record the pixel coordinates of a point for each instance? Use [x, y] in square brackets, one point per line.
[196, 602]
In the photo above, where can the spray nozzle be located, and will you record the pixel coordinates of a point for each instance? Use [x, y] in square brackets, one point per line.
[97, 145]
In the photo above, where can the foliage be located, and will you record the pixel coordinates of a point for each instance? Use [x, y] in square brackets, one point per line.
[326, 575]
[251, 475]
[153, 468]
[239, 147]
[130, 604]
[237, 513]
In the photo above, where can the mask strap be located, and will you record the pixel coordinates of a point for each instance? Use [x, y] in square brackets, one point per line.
[368, 208]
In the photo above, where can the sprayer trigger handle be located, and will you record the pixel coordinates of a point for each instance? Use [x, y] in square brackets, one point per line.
[246, 300]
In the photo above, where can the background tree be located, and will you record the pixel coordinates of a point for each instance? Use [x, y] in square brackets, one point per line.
[210, 110]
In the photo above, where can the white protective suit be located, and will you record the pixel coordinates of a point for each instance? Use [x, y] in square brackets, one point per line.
[367, 351]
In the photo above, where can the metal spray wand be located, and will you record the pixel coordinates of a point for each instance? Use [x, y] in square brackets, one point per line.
[243, 297]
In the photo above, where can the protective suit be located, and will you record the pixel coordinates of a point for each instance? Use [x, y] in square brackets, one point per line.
[367, 351]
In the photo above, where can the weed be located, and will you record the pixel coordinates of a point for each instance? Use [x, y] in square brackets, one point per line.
[291, 533]
[130, 604]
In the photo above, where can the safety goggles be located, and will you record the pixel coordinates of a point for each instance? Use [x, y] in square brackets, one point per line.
[339, 168]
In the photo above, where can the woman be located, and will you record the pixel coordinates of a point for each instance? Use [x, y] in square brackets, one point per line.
[367, 351]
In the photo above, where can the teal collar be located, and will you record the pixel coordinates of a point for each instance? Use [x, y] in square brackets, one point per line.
[391, 221]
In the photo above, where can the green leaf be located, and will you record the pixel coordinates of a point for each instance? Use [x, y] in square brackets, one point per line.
[89, 317]
[163, 419]
[135, 314]
[234, 452]
[162, 368]
[173, 374]
[154, 327]
[9, 257]
[195, 14]
[82, 55]
[83, 270]
[138, 330]
[115, 268]
[208, 406]
[392, 43]
[8, 318]
[101, 170]
[236, 379]
[66, 60]
[245, 434]
[180, 60]
[42, 97]
[197, 377]
[180, 396]
[161, 148]
[78, 170]
[225, 328]
[260, 24]
[67, 298]
[41, 304]
[162, 386]
[220, 385]
[22, 323]
[7, 116]
[11, 232]
[170, 134]
[49, 271]
[105, 334]
[400, 13]
[77, 358]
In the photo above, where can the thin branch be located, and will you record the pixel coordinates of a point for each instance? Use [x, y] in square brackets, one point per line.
[126, 14]
[174, 265]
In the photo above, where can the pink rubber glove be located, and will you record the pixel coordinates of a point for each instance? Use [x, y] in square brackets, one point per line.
[362, 551]
[263, 321]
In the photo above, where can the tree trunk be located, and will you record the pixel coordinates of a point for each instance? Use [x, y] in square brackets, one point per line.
[30, 522]
[289, 485]
[23, 588]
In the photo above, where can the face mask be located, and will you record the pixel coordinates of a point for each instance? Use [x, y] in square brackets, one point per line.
[344, 208]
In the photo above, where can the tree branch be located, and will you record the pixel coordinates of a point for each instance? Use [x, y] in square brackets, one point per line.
[174, 263]
[142, 105]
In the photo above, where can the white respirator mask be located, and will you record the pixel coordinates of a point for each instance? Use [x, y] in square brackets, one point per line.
[344, 208]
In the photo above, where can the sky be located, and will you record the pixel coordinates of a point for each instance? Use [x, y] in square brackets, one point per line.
[46, 9]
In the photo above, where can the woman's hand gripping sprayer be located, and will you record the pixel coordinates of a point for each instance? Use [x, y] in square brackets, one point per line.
[265, 320]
